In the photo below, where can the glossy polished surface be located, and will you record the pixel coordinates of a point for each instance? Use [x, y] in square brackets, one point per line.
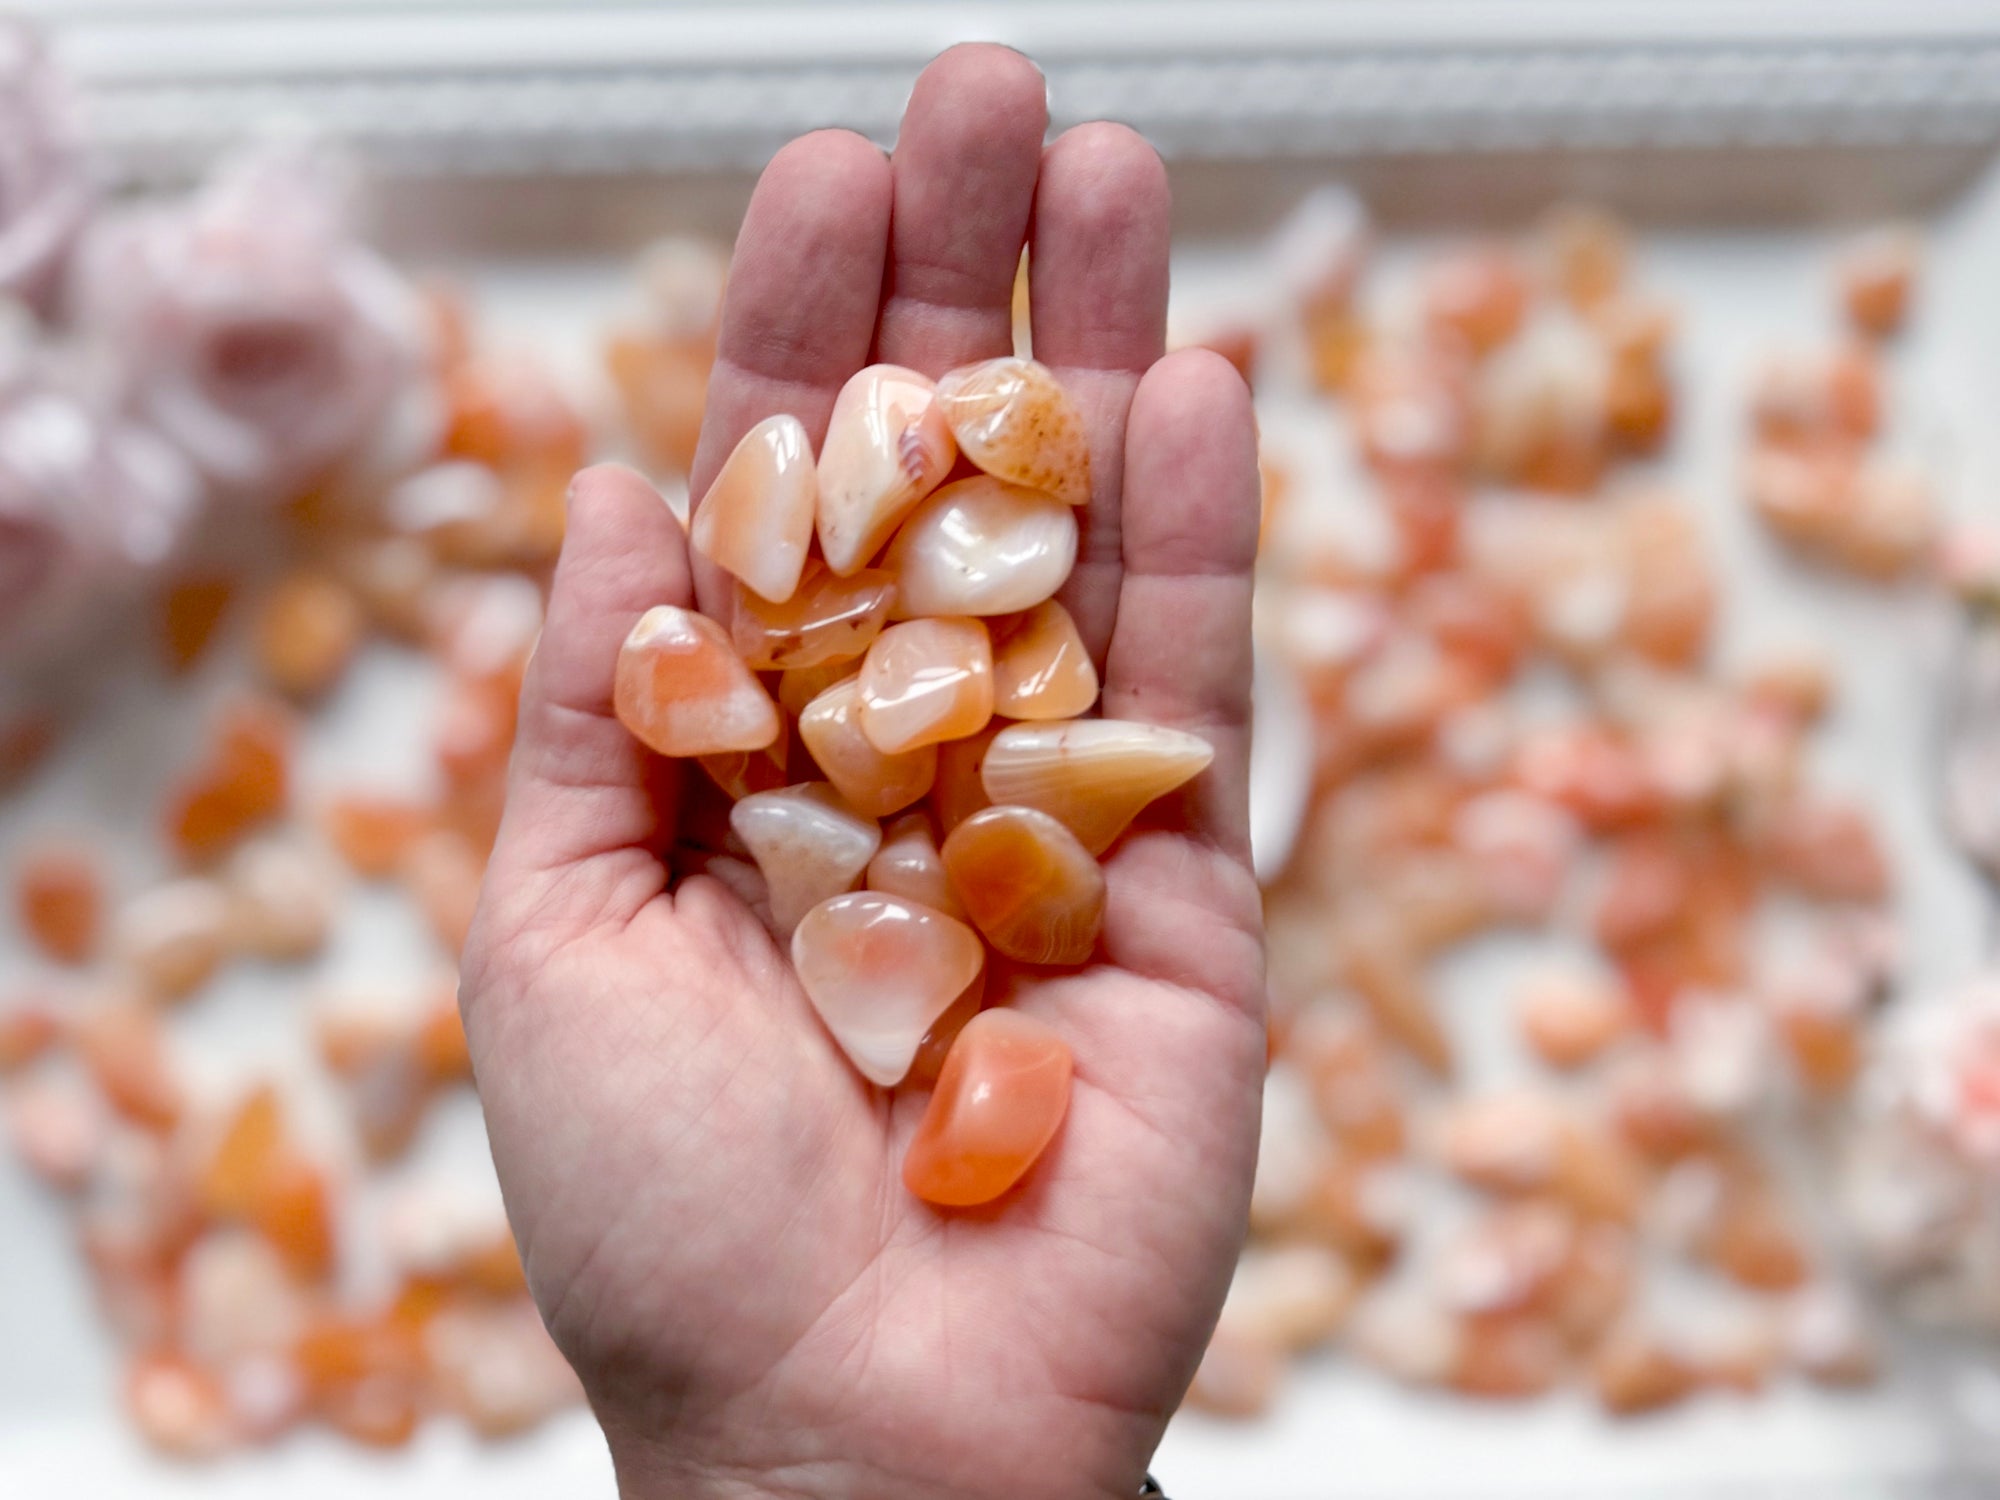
[808, 842]
[1030, 888]
[926, 681]
[1012, 419]
[981, 547]
[874, 782]
[887, 446]
[881, 970]
[1091, 775]
[1040, 667]
[757, 518]
[682, 690]
[999, 1101]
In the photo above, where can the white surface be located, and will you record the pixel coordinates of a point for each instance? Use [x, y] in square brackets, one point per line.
[1338, 1431]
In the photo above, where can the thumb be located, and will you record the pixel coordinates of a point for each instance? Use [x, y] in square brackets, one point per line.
[591, 811]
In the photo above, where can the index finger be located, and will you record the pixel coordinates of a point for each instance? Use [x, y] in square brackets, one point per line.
[798, 316]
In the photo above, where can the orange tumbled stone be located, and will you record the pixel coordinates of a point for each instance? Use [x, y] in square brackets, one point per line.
[756, 520]
[307, 630]
[881, 970]
[230, 1178]
[828, 619]
[373, 833]
[1091, 775]
[683, 691]
[908, 864]
[190, 610]
[926, 681]
[1014, 420]
[293, 1209]
[1040, 667]
[874, 782]
[999, 1101]
[1032, 890]
[244, 780]
[960, 791]
[59, 894]
[124, 1049]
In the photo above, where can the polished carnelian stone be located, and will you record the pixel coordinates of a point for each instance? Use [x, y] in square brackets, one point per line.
[59, 892]
[245, 779]
[373, 833]
[999, 1101]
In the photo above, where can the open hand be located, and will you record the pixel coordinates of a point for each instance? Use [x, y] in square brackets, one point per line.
[707, 1196]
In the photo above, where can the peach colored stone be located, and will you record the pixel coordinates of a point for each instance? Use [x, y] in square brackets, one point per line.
[175, 936]
[829, 619]
[1014, 420]
[682, 690]
[998, 1103]
[1091, 775]
[873, 782]
[926, 681]
[307, 631]
[908, 864]
[881, 970]
[756, 521]
[981, 547]
[1040, 667]
[887, 446]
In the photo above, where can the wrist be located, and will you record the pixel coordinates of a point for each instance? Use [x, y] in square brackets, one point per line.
[645, 1470]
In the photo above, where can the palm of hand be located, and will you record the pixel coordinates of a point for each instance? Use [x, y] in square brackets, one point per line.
[708, 1198]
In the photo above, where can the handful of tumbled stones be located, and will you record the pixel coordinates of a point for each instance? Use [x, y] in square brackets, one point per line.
[932, 678]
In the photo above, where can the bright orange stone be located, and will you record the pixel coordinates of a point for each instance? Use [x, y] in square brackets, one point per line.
[229, 1181]
[190, 610]
[926, 681]
[1040, 668]
[293, 1209]
[829, 619]
[307, 630]
[124, 1049]
[682, 690]
[873, 782]
[1031, 889]
[999, 1101]
[244, 780]
[59, 893]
